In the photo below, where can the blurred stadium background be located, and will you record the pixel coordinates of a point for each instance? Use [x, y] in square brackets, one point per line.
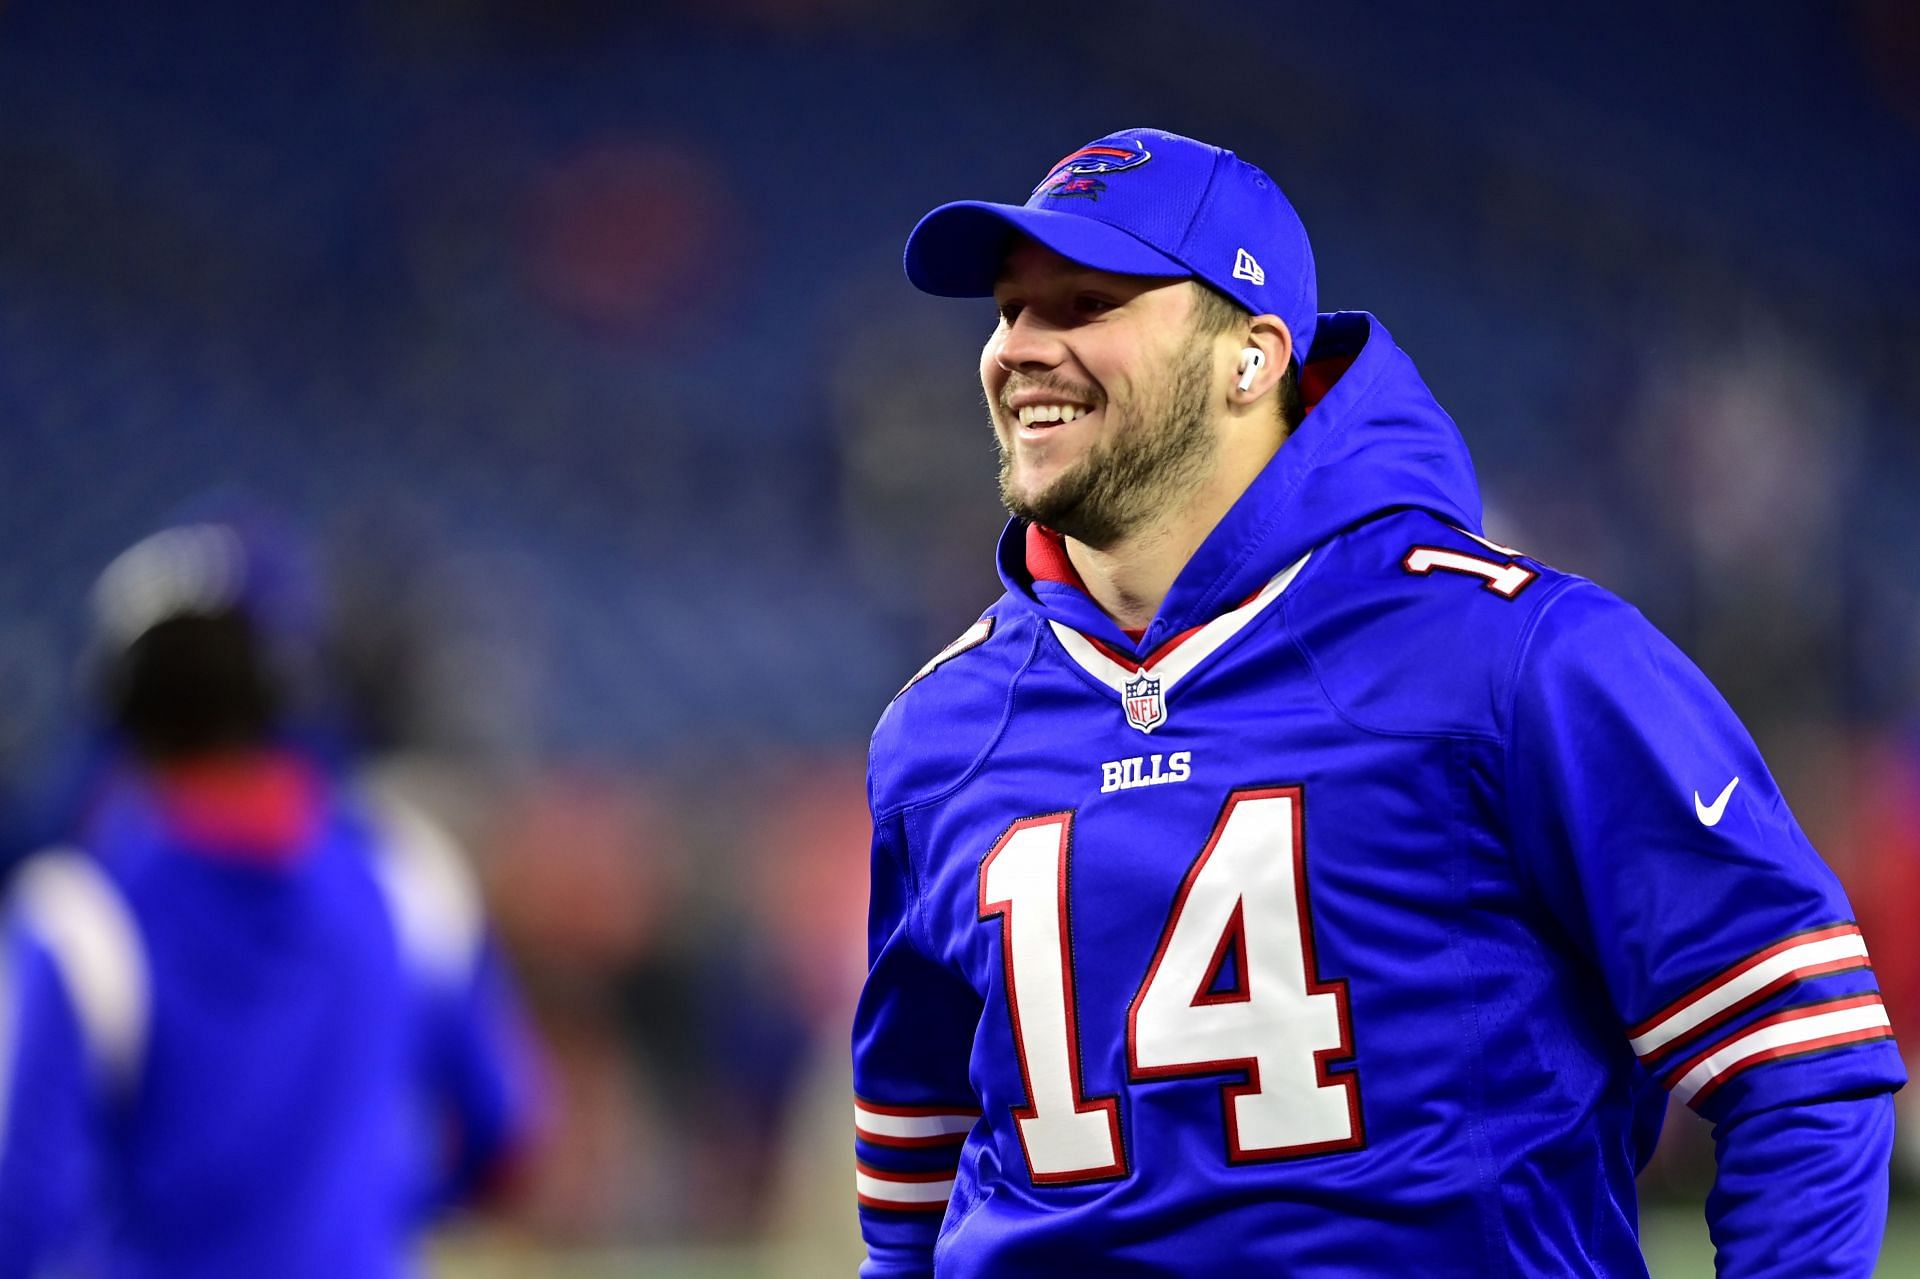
[574, 335]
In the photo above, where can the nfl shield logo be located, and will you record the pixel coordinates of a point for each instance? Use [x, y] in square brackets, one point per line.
[1146, 708]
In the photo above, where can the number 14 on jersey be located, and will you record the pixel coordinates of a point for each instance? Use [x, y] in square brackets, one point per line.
[1278, 1024]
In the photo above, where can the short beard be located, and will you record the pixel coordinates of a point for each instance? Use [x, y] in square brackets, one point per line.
[1151, 460]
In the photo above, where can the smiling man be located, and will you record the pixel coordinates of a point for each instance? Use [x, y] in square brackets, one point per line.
[1103, 390]
[1283, 879]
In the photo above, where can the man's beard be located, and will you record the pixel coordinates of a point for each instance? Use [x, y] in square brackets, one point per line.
[1152, 457]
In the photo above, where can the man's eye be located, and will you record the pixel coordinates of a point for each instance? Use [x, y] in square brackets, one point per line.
[1087, 302]
[1009, 312]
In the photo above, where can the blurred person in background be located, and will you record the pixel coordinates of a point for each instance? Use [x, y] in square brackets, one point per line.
[251, 1022]
[1281, 876]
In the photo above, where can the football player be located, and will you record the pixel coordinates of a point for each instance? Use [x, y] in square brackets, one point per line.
[1282, 878]
[251, 1022]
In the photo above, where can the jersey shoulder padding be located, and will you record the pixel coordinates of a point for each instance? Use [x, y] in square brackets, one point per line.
[943, 723]
[1414, 627]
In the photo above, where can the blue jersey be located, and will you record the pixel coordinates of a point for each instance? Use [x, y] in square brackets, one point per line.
[1358, 919]
[219, 1065]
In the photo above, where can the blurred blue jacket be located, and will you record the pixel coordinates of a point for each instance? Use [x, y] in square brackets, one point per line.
[252, 1026]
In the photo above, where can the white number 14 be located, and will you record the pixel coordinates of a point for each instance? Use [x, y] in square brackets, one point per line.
[1244, 896]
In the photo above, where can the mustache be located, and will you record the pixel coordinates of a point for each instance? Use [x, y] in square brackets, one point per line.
[1075, 392]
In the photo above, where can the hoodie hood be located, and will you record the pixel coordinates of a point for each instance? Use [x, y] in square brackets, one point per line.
[1377, 441]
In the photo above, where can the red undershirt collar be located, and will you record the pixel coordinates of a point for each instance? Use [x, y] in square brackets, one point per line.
[264, 808]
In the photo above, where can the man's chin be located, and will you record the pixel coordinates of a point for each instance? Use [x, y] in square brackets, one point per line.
[1039, 503]
[1064, 511]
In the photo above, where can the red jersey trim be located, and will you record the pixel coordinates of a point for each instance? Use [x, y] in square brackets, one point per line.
[260, 808]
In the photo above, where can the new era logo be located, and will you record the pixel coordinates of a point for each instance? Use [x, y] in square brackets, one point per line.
[1245, 268]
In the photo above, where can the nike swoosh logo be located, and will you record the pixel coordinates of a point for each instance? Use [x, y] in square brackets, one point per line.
[1710, 814]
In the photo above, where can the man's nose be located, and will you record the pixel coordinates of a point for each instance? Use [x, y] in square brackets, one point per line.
[1029, 343]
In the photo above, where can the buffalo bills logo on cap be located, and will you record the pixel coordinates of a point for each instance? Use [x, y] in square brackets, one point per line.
[1073, 176]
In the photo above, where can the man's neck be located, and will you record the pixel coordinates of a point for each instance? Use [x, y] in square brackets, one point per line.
[1130, 578]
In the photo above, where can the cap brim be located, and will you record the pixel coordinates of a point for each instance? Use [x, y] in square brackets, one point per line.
[957, 250]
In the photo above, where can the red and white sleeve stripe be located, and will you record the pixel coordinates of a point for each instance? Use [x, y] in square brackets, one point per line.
[879, 1124]
[1796, 1032]
[902, 1191]
[1714, 1058]
[912, 1125]
[1812, 954]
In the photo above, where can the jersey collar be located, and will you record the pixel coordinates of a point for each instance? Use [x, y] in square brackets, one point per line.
[1179, 656]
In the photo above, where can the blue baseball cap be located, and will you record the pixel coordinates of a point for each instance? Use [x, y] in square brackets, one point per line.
[1137, 202]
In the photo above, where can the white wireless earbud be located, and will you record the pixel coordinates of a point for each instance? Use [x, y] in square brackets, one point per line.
[1252, 360]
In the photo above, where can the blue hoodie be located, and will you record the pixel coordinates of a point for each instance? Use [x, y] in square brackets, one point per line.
[251, 1027]
[1355, 920]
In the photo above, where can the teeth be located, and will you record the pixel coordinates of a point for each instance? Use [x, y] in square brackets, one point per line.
[1031, 413]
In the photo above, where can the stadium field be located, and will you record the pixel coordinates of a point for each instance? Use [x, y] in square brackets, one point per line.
[1676, 1244]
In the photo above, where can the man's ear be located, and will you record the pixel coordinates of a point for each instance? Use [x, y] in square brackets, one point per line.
[1269, 335]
